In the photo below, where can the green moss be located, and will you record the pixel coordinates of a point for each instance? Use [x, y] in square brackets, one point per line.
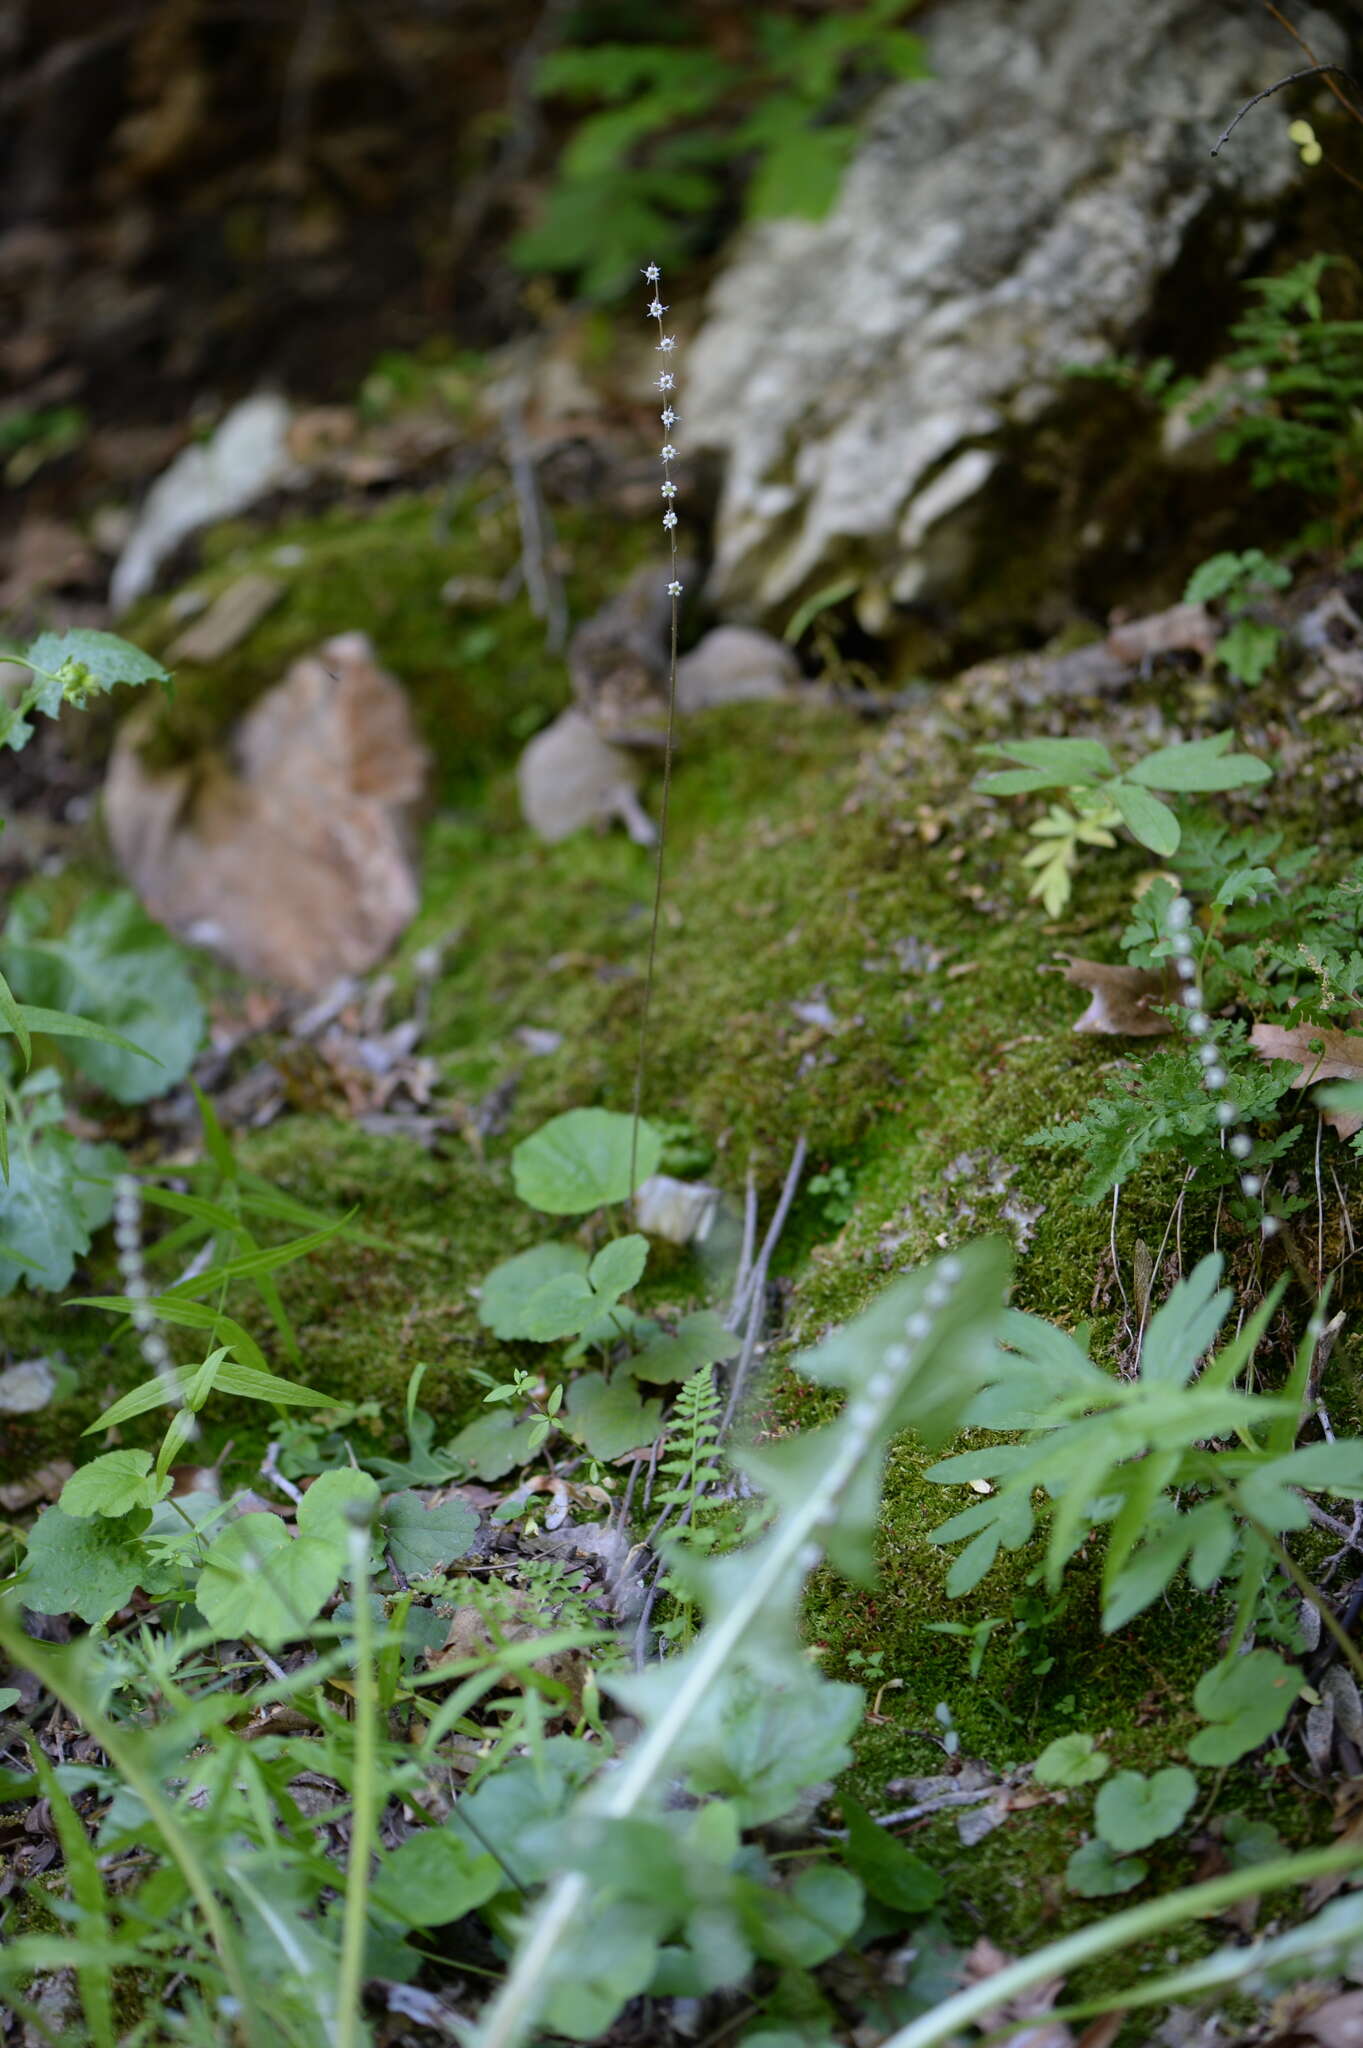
[478, 672]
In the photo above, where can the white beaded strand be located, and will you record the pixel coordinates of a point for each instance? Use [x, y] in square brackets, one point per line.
[1214, 1076]
[666, 383]
[128, 1242]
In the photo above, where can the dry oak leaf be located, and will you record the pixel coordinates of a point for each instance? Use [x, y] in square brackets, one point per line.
[1340, 1058]
[1120, 998]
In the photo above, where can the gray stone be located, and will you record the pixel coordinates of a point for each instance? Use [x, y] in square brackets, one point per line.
[569, 777]
[678, 1211]
[873, 380]
[734, 665]
[247, 457]
[26, 1387]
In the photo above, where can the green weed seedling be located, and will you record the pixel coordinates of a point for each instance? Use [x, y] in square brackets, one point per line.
[1103, 796]
[1238, 583]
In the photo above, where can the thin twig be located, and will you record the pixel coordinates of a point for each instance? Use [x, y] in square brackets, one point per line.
[1311, 71]
[544, 587]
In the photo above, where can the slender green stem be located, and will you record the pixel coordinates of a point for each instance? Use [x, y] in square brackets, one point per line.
[1283, 1558]
[364, 1806]
[1121, 1930]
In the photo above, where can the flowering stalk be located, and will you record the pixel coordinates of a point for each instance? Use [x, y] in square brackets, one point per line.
[666, 384]
[1214, 1076]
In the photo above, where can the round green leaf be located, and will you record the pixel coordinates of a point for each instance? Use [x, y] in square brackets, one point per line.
[1132, 1811]
[325, 1509]
[509, 1287]
[423, 1539]
[434, 1877]
[258, 1580]
[1248, 1699]
[1095, 1873]
[1070, 1760]
[608, 1418]
[580, 1161]
[86, 1568]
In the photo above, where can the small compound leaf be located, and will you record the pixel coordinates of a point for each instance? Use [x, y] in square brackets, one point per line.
[581, 1160]
[1246, 1699]
[88, 1568]
[509, 1288]
[423, 1539]
[1070, 1760]
[608, 1418]
[889, 1871]
[1133, 1810]
[1095, 1873]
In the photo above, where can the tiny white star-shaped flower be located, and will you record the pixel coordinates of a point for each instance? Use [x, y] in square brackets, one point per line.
[656, 310]
[669, 453]
[652, 272]
[668, 417]
[674, 590]
[669, 490]
[666, 381]
[668, 343]
[669, 519]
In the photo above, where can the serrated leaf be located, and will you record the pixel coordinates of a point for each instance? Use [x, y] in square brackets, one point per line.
[86, 1568]
[112, 1485]
[1146, 818]
[608, 1418]
[104, 659]
[1247, 1699]
[509, 1287]
[889, 1871]
[1070, 1760]
[1132, 1810]
[258, 1580]
[115, 967]
[580, 1161]
[434, 1877]
[423, 1539]
[59, 1190]
[700, 1339]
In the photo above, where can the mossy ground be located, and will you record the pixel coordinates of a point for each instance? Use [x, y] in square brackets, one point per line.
[844, 953]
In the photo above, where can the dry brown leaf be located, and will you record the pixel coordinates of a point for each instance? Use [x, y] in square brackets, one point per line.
[1340, 1058]
[1120, 998]
[1336, 2024]
[985, 1960]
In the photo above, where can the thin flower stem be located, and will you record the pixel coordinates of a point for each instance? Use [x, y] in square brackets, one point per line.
[666, 384]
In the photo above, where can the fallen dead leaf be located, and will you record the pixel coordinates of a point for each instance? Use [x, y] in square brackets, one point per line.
[1120, 998]
[1339, 1058]
[44, 1484]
